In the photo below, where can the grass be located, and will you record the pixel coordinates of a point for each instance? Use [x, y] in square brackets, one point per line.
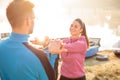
[102, 70]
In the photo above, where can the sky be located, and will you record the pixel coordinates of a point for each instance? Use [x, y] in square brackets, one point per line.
[53, 19]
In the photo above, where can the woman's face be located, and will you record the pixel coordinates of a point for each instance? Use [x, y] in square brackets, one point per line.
[75, 28]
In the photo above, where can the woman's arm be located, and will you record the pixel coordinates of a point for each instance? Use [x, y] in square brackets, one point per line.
[77, 46]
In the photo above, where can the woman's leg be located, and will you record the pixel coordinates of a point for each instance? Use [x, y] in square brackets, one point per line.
[65, 78]
[81, 78]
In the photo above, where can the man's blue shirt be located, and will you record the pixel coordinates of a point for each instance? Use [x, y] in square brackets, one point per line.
[51, 57]
[17, 62]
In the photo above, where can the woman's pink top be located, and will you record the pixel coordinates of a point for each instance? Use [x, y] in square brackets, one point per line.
[73, 61]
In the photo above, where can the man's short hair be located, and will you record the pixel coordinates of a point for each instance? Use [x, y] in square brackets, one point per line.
[17, 10]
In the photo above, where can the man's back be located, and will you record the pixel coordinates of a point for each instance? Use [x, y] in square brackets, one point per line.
[17, 62]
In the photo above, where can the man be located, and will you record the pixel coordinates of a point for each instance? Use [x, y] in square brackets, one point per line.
[17, 61]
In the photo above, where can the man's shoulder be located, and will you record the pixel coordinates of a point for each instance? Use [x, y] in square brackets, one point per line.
[3, 41]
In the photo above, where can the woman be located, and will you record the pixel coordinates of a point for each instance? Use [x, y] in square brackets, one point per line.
[73, 51]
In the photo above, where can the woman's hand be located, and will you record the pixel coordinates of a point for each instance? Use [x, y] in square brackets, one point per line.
[56, 47]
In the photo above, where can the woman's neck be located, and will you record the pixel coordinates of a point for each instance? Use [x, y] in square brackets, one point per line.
[75, 36]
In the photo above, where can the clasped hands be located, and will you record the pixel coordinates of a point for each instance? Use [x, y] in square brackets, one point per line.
[56, 47]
